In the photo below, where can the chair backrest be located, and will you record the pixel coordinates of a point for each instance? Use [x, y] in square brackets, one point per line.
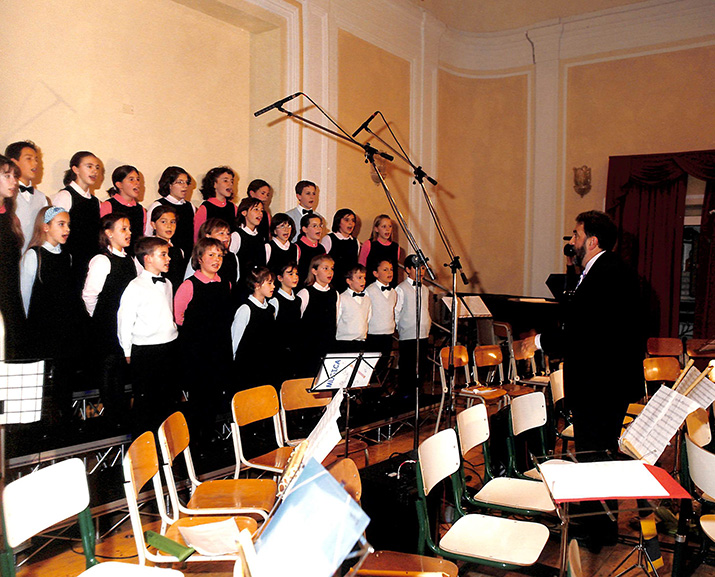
[661, 369]
[522, 352]
[698, 426]
[295, 395]
[527, 412]
[487, 356]
[556, 378]
[664, 347]
[473, 427]
[254, 405]
[438, 458]
[173, 437]
[141, 462]
[502, 329]
[44, 498]
[460, 359]
[573, 566]
[701, 464]
[347, 474]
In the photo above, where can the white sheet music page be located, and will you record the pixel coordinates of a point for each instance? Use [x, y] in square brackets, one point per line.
[569, 481]
[704, 391]
[325, 435]
[649, 434]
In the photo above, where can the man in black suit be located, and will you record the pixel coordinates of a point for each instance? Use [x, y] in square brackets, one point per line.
[600, 341]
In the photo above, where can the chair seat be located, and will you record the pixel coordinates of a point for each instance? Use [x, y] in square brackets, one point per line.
[485, 393]
[534, 473]
[234, 494]
[495, 539]
[515, 390]
[537, 381]
[276, 459]
[174, 534]
[517, 493]
[707, 522]
[382, 562]
[116, 569]
[567, 432]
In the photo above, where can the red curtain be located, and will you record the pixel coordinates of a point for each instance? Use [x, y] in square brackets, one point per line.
[646, 198]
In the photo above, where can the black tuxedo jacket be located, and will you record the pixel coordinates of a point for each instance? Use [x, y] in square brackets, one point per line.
[602, 346]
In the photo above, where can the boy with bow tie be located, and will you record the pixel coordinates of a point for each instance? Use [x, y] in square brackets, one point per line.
[354, 311]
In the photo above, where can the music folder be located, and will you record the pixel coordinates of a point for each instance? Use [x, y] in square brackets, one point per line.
[345, 370]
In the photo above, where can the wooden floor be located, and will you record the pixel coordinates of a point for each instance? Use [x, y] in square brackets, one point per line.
[63, 562]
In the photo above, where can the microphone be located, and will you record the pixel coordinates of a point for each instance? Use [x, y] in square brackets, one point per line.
[363, 126]
[277, 104]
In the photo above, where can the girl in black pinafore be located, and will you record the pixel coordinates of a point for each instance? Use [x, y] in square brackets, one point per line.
[124, 194]
[251, 332]
[217, 189]
[55, 315]
[287, 328]
[203, 311]
[280, 251]
[10, 246]
[342, 246]
[109, 274]
[319, 309]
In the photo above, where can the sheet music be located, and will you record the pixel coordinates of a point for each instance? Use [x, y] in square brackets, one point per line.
[704, 391]
[212, 539]
[475, 303]
[651, 431]
[569, 481]
[21, 391]
[326, 434]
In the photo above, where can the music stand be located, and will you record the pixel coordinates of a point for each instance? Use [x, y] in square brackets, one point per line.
[20, 398]
[345, 371]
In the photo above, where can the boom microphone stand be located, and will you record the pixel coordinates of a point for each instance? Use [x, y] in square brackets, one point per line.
[454, 264]
[370, 153]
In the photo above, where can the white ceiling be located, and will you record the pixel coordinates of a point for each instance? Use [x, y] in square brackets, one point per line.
[481, 16]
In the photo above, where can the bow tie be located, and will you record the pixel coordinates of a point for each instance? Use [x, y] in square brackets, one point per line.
[307, 211]
[156, 279]
[24, 188]
[362, 294]
[385, 288]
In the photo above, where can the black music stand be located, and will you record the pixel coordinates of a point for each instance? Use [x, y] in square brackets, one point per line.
[345, 371]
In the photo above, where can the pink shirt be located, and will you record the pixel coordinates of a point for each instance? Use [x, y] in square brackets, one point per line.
[200, 216]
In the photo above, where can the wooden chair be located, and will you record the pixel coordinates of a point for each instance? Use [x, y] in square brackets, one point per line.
[474, 538]
[251, 406]
[490, 357]
[215, 497]
[380, 563]
[141, 465]
[525, 354]
[515, 496]
[36, 502]
[665, 347]
[556, 379]
[296, 397]
[460, 360]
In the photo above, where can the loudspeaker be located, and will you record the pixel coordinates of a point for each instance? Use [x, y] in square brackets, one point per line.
[390, 503]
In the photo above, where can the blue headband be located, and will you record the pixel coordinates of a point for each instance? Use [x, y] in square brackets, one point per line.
[52, 212]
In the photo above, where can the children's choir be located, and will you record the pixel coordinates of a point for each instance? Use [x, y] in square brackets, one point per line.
[187, 303]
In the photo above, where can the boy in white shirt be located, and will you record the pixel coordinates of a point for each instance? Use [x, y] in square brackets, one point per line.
[354, 312]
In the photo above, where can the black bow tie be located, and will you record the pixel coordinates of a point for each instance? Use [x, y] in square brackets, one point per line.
[24, 188]
[385, 288]
[362, 294]
[307, 211]
[156, 279]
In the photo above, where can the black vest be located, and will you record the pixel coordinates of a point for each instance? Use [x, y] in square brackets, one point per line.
[184, 234]
[280, 258]
[10, 299]
[378, 253]
[104, 319]
[177, 267]
[287, 319]
[319, 320]
[345, 255]
[83, 242]
[226, 213]
[251, 253]
[254, 363]
[54, 318]
[207, 321]
[307, 253]
[135, 216]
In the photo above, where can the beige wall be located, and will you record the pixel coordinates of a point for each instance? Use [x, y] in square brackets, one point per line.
[370, 79]
[482, 152]
[129, 81]
[640, 105]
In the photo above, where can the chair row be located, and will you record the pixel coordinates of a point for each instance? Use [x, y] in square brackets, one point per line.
[477, 537]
